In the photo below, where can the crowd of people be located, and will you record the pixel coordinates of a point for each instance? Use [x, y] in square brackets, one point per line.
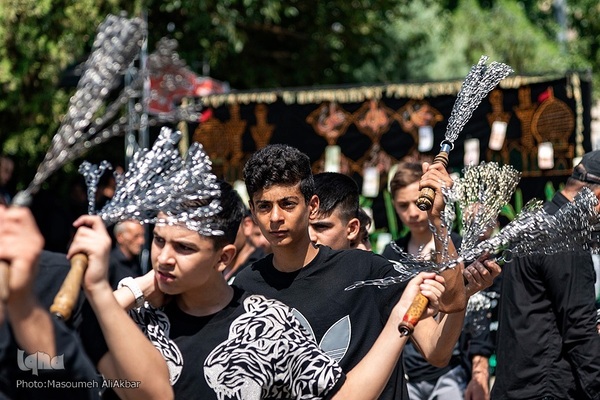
[258, 305]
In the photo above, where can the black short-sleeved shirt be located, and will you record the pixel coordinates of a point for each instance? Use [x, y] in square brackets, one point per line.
[344, 323]
[252, 349]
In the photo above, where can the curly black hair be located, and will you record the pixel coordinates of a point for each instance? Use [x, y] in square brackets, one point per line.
[279, 164]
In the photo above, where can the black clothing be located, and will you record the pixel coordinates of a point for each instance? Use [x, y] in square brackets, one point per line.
[344, 323]
[252, 258]
[17, 373]
[548, 345]
[470, 343]
[253, 346]
[122, 266]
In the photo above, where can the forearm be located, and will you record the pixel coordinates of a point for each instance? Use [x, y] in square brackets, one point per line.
[367, 379]
[32, 326]
[478, 387]
[145, 283]
[454, 298]
[132, 355]
[436, 339]
[444, 247]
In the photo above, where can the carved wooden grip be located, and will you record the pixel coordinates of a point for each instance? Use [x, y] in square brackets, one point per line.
[413, 315]
[65, 299]
[425, 200]
[4, 275]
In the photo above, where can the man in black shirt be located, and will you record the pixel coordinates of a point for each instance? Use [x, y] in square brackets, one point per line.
[548, 345]
[129, 241]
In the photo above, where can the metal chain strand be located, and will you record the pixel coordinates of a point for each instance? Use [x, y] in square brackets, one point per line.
[478, 83]
[92, 174]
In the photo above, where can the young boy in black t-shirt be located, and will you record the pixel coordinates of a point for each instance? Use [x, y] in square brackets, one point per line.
[220, 342]
[313, 279]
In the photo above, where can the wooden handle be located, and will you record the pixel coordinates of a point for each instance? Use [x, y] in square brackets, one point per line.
[425, 200]
[413, 315]
[4, 276]
[65, 299]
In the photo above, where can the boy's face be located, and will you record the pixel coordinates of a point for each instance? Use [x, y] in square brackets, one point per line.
[281, 213]
[183, 260]
[332, 231]
[405, 204]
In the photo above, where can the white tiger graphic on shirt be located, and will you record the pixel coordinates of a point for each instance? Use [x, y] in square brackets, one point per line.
[155, 325]
[269, 355]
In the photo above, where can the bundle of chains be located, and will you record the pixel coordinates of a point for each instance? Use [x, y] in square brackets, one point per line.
[116, 45]
[160, 180]
[533, 231]
[478, 83]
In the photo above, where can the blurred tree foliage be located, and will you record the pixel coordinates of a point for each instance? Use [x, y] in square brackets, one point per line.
[39, 39]
[256, 44]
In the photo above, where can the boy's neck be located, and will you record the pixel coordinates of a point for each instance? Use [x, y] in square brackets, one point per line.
[240, 258]
[419, 242]
[208, 300]
[292, 258]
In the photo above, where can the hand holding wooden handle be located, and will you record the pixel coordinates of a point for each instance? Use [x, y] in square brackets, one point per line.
[21, 199]
[413, 315]
[425, 200]
[65, 299]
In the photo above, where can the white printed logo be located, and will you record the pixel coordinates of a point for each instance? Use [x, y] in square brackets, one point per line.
[39, 360]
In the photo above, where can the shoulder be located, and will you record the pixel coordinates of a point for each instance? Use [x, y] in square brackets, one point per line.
[361, 260]
[390, 253]
[254, 269]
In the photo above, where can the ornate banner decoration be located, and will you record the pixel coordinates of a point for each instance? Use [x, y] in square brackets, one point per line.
[379, 125]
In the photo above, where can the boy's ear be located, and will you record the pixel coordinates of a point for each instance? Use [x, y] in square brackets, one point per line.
[227, 255]
[352, 229]
[313, 204]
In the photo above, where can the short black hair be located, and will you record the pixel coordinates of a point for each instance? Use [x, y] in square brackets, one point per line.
[279, 164]
[229, 218]
[337, 192]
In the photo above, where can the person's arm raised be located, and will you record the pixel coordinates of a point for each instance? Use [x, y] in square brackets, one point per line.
[131, 356]
[454, 299]
[369, 377]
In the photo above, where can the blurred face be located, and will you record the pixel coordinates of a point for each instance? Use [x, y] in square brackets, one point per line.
[7, 167]
[254, 236]
[282, 214]
[131, 240]
[407, 210]
[331, 231]
[183, 260]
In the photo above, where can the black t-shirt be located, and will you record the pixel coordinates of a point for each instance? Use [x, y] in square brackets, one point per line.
[252, 349]
[121, 266]
[345, 323]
